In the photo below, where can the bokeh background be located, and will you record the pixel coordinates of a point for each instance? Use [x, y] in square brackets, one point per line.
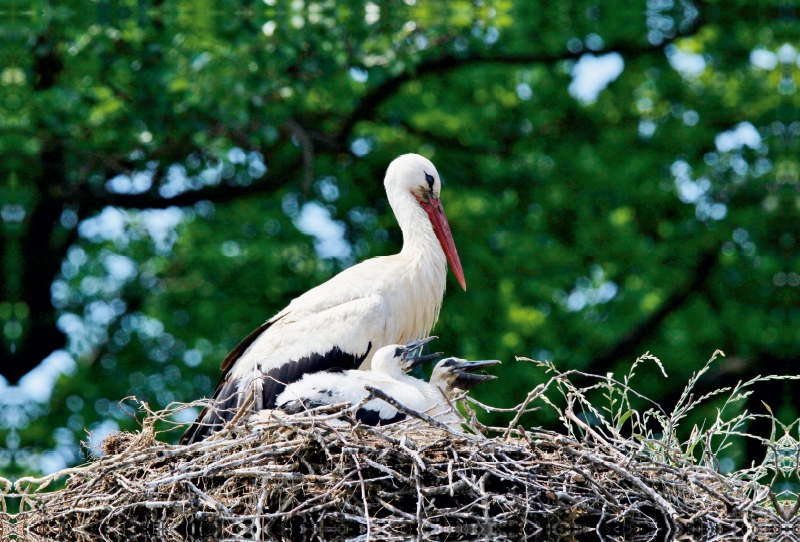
[620, 177]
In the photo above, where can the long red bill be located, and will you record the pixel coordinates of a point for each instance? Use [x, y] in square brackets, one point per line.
[442, 230]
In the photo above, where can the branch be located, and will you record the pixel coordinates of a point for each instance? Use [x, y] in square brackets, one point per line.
[366, 108]
[452, 143]
[39, 253]
[375, 97]
[47, 63]
[375, 392]
[308, 150]
[218, 194]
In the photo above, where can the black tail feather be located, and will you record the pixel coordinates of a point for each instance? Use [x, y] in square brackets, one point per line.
[222, 410]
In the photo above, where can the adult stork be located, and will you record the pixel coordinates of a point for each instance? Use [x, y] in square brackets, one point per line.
[342, 322]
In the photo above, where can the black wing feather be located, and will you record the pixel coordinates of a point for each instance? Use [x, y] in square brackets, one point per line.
[275, 380]
[225, 401]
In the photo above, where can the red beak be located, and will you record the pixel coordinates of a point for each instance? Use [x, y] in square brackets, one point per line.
[442, 230]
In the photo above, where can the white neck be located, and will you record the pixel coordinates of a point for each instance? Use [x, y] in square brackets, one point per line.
[419, 240]
[437, 380]
[424, 265]
[412, 380]
[387, 369]
[416, 284]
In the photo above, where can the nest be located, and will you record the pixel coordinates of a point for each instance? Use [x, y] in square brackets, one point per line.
[322, 473]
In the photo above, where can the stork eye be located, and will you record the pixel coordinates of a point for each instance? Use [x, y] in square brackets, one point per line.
[429, 178]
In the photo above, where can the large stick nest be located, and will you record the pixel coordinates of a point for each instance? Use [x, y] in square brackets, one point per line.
[322, 472]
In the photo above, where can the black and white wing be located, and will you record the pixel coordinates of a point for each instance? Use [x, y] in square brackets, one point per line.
[295, 342]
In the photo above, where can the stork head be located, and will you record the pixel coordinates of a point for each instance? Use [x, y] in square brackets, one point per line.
[451, 373]
[396, 359]
[415, 175]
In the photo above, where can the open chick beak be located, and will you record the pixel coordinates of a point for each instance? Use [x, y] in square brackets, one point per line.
[413, 345]
[464, 372]
[419, 360]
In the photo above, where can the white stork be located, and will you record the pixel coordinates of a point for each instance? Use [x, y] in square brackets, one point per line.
[341, 323]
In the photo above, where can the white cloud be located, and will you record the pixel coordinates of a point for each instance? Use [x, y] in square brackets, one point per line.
[591, 74]
[590, 291]
[51, 462]
[186, 415]
[237, 156]
[177, 182]
[109, 225]
[761, 58]
[38, 384]
[161, 225]
[524, 91]
[697, 193]
[359, 75]
[689, 65]
[120, 268]
[744, 134]
[315, 219]
[787, 54]
[139, 182]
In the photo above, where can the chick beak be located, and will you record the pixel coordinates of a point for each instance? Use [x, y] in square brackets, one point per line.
[466, 379]
[413, 345]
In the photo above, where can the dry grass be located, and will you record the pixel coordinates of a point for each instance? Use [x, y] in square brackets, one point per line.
[323, 474]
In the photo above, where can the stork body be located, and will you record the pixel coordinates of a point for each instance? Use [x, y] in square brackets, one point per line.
[389, 373]
[343, 322]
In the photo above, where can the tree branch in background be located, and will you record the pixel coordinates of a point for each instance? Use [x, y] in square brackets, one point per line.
[308, 150]
[41, 255]
[272, 181]
[374, 98]
[366, 109]
[451, 143]
[630, 344]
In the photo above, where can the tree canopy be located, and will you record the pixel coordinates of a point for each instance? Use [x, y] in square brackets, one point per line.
[619, 178]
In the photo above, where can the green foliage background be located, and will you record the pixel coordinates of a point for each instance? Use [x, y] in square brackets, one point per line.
[648, 219]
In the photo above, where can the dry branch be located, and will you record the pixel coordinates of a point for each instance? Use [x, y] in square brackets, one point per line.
[321, 470]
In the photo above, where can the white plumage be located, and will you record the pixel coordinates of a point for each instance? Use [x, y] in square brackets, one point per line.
[343, 322]
[389, 374]
[390, 366]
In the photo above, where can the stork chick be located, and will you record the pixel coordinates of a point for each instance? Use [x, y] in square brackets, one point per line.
[449, 376]
[389, 373]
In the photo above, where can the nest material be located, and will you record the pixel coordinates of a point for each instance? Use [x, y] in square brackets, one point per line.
[311, 471]
[321, 472]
